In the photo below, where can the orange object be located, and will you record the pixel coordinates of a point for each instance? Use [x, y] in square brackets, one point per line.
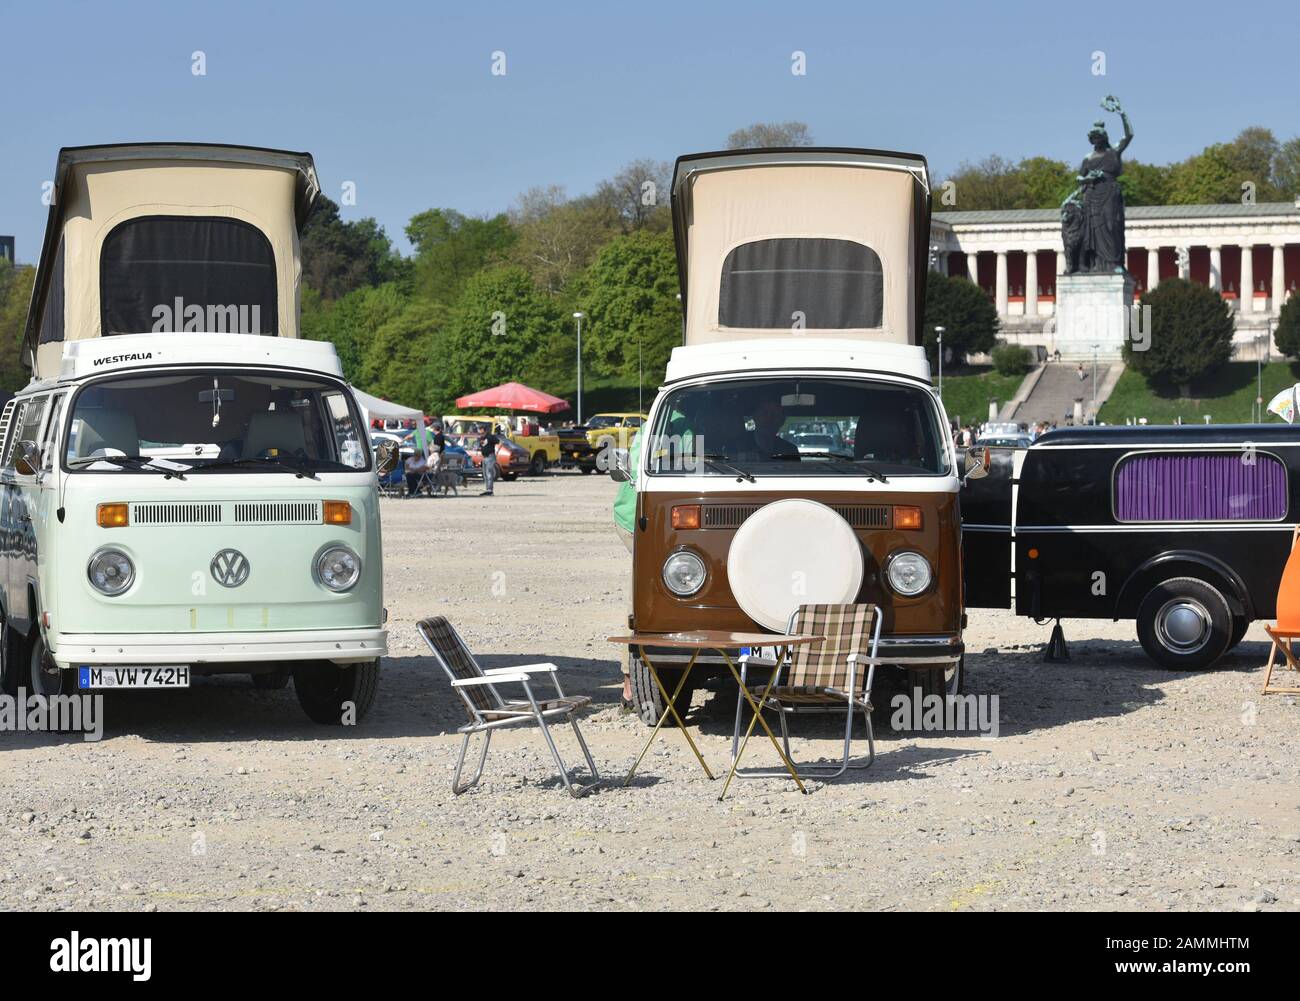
[686, 516]
[1033, 554]
[114, 515]
[906, 516]
[1287, 628]
[336, 512]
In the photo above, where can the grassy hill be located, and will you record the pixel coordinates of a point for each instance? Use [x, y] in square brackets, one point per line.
[966, 393]
[1227, 397]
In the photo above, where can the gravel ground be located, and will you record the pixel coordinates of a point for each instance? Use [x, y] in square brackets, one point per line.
[1112, 784]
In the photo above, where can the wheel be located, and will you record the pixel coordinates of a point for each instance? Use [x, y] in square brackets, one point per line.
[587, 470]
[1239, 626]
[271, 681]
[1184, 624]
[939, 681]
[510, 477]
[336, 693]
[45, 676]
[538, 465]
[12, 663]
[649, 701]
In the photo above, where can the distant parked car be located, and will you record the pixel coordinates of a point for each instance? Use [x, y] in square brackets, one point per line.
[1006, 441]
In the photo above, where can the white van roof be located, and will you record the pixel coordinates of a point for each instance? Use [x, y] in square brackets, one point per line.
[125, 352]
[797, 353]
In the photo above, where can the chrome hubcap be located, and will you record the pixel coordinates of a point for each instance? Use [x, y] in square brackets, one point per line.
[1183, 625]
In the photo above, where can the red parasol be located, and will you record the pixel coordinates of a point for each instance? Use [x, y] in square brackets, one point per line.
[513, 396]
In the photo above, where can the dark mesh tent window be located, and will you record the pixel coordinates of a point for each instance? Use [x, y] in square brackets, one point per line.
[832, 284]
[52, 310]
[169, 274]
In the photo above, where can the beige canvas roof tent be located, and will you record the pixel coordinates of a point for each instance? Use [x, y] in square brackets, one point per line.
[782, 242]
[169, 237]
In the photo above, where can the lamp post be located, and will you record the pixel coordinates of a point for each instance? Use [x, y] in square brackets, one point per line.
[1095, 349]
[579, 316]
[939, 333]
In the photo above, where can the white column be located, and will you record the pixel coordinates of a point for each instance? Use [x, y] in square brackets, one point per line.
[973, 266]
[943, 262]
[1216, 267]
[1153, 267]
[1031, 282]
[1060, 262]
[1247, 294]
[1279, 280]
[1000, 288]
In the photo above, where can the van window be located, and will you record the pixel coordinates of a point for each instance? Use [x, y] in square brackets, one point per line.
[805, 426]
[30, 414]
[49, 441]
[1222, 486]
[173, 274]
[817, 284]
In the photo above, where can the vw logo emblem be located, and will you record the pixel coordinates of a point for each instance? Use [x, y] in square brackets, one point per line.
[230, 568]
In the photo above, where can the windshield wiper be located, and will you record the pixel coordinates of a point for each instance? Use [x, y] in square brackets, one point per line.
[715, 459]
[134, 461]
[298, 469]
[855, 463]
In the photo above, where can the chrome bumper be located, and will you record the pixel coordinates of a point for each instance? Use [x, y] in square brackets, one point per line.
[340, 645]
[895, 651]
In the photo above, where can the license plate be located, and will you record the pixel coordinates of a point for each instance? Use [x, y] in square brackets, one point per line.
[134, 677]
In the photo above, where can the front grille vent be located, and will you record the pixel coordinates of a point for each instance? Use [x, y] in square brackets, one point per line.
[859, 516]
[177, 513]
[277, 513]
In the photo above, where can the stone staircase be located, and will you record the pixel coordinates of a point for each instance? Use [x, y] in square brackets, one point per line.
[1053, 395]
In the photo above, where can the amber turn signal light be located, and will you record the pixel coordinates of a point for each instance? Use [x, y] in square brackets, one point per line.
[336, 512]
[116, 515]
[906, 516]
[686, 516]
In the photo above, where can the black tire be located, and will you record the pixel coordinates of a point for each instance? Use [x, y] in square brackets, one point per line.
[44, 677]
[538, 466]
[325, 690]
[649, 701]
[1184, 624]
[587, 470]
[13, 665]
[271, 681]
[509, 477]
[1239, 626]
[939, 681]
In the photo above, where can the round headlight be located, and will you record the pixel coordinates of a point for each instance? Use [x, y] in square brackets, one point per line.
[110, 571]
[909, 573]
[684, 573]
[338, 568]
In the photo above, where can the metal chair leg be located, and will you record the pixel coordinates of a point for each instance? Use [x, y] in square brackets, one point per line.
[585, 752]
[456, 787]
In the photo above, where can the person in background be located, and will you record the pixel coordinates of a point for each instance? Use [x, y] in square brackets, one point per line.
[437, 442]
[487, 445]
[624, 522]
[416, 465]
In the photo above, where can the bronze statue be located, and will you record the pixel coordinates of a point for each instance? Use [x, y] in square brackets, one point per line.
[1092, 217]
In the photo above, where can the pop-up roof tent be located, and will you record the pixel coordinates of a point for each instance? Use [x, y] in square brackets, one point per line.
[169, 237]
[781, 242]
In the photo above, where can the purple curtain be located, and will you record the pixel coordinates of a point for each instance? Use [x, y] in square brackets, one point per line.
[1223, 487]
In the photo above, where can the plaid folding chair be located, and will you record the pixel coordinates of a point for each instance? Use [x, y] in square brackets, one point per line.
[488, 711]
[836, 672]
[1287, 628]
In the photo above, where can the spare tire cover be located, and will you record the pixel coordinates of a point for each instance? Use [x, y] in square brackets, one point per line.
[791, 553]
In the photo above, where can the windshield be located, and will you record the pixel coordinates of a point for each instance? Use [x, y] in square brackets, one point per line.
[818, 426]
[217, 419]
[602, 421]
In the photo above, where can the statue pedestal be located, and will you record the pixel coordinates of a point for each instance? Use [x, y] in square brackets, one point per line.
[1092, 314]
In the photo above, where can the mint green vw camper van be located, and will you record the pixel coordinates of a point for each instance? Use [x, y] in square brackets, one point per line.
[188, 487]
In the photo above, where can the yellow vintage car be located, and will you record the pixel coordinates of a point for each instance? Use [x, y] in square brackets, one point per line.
[582, 446]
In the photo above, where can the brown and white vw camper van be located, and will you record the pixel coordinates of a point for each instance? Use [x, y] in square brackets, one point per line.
[797, 451]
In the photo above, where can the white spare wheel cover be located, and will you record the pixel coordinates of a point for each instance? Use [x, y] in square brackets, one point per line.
[791, 553]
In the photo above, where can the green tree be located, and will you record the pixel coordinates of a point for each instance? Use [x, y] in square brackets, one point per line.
[559, 237]
[1287, 334]
[15, 295]
[1045, 182]
[450, 247]
[1191, 335]
[503, 328]
[351, 323]
[400, 357]
[1227, 172]
[1286, 169]
[638, 195]
[339, 257]
[1145, 183]
[630, 297]
[993, 183]
[769, 134]
[969, 319]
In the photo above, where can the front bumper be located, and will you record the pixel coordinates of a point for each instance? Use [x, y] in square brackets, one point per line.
[342, 646]
[895, 651]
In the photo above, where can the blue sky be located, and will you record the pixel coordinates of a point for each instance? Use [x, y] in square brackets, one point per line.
[400, 99]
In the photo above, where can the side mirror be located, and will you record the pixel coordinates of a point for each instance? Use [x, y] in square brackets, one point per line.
[620, 470]
[386, 458]
[27, 458]
[978, 461]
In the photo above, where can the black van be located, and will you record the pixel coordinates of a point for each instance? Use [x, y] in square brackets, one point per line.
[1185, 529]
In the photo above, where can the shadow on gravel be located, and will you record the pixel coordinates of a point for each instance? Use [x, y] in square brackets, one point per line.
[414, 700]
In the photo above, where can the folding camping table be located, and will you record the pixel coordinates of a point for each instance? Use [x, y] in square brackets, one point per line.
[719, 640]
